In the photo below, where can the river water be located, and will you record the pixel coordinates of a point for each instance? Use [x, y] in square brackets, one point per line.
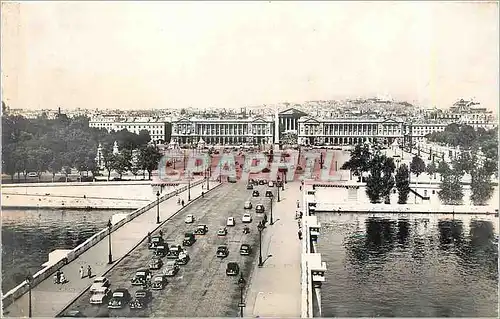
[416, 266]
[28, 236]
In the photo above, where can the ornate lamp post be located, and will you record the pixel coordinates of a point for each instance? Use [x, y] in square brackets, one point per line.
[260, 228]
[189, 185]
[241, 283]
[278, 188]
[29, 280]
[110, 256]
[158, 207]
[271, 222]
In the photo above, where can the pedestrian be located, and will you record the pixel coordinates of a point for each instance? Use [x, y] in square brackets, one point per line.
[82, 272]
[182, 202]
[300, 234]
[56, 278]
[298, 204]
[300, 214]
[62, 280]
[178, 200]
[300, 188]
[149, 238]
[58, 274]
[89, 271]
[161, 233]
[202, 194]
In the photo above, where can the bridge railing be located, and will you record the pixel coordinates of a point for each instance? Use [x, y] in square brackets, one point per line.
[43, 274]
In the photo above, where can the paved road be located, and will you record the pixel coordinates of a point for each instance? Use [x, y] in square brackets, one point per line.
[201, 288]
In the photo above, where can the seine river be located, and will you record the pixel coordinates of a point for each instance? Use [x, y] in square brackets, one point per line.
[28, 236]
[419, 266]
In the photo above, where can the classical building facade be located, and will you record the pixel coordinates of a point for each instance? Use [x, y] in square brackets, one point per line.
[159, 130]
[288, 120]
[313, 131]
[254, 131]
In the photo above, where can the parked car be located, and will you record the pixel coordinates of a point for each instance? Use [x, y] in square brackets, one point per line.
[230, 221]
[189, 219]
[262, 182]
[183, 258]
[160, 251]
[247, 218]
[249, 186]
[142, 298]
[222, 231]
[174, 251]
[255, 193]
[245, 249]
[156, 241]
[74, 314]
[270, 184]
[222, 251]
[32, 174]
[98, 283]
[259, 208]
[269, 193]
[141, 277]
[231, 179]
[120, 298]
[201, 230]
[155, 263]
[232, 269]
[100, 295]
[189, 239]
[159, 282]
[248, 205]
[171, 268]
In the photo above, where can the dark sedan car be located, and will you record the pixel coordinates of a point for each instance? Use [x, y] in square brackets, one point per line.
[255, 193]
[232, 269]
[120, 298]
[245, 249]
[259, 209]
[142, 298]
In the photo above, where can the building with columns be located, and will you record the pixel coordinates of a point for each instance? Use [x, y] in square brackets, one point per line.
[253, 131]
[288, 120]
[341, 131]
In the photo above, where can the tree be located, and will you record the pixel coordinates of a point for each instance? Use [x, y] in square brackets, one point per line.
[481, 186]
[451, 192]
[359, 162]
[108, 159]
[443, 169]
[55, 165]
[380, 181]
[417, 166]
[122, 162]
[149, 157]
[431, 169]
[403, 183]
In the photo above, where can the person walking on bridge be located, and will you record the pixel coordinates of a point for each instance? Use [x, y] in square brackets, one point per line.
[82, 272]
[89, 271]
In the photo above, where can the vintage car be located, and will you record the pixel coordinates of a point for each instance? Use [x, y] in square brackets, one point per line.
[161, 250]
[155, 263]
[259, 209]
[232, 179]
[222, 251]
[247, 218]
[230, 221]
[269, 193]
[141, 299]
[255, 193]
[270, 184]
[171, 268]
[222, 231]
[159, 282]
[245, 249]
[262, 182]
[232, 269]
[119, 299]
[189, 219]
[249, 186]
[100, 295]
[248, 205]
[156, 241]
[183, 258]
[174, 251]
[189, 239]
[141, 277]
[98, 283]
[74, 314]
[201, 230]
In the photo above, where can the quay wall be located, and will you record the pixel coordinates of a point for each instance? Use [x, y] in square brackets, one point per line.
[43, 274]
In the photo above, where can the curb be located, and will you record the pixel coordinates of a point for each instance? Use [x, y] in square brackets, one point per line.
[61, 312]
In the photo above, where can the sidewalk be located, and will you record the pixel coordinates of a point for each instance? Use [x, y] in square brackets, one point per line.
[49, 298]
[275, 289]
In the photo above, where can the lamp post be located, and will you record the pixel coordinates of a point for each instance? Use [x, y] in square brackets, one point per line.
[278, 180]
[241, 284]
[29, 280]
[271, 222]
[260, 227]
[158, 207]
[110, 256]
[189, 185]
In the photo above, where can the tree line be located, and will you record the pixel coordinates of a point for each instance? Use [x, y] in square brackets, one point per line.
[62, 144]
[382, 176]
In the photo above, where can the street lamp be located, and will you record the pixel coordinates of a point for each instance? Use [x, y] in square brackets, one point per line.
[260, 227]
[278, 180]
[271, 222]
[29, 280]
[189, 186]
[110, 256]
[241, 284]
[158, 207]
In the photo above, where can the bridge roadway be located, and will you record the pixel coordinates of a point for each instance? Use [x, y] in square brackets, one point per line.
[201, 288]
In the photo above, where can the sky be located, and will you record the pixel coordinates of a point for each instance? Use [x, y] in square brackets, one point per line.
[131, 55]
